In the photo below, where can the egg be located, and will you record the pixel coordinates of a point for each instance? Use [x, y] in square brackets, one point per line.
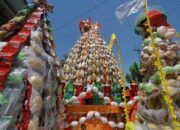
[162, 30]
[104, 120]
[74, 124]
[82, 120]
[90, 115]
[112, 124]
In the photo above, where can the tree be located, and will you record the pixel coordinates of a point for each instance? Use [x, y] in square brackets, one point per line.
[134, 73]
[65, 56]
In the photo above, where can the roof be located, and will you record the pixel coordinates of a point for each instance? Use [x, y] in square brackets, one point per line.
[8, 9]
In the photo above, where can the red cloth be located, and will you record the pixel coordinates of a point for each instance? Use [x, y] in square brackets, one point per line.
[81, 100]
[79, 89]
[26, 112]
[158, 19]
[107, 91]
[133, 116]
[89, 95]
[134, 90]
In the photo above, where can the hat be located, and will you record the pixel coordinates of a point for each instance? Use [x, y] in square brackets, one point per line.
[157, 19]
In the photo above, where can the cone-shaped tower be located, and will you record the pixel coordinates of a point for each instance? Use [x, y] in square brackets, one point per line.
[90, 63]
[91, 87]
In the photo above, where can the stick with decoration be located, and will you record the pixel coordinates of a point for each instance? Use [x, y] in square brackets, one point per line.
[129, 125]
[158, 64]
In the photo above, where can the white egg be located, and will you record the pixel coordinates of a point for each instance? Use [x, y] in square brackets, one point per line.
[121, 104]
[114, 104]
[74, 124]
[112, 124]
[97, 114]
[100, 94]
[136, 98]
[161, 30]
[95, 89]
[82, 120]
[89, 88]
[90, 114]
[82, 95]
[104, 120]
[120, 125]
[169, 35]
[130, 103]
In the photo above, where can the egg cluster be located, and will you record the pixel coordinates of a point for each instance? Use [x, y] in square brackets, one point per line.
[150, 90]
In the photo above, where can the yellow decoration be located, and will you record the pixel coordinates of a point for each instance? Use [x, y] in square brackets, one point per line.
[113, 37]
[177, 35]
[158, 64]
[129, 125]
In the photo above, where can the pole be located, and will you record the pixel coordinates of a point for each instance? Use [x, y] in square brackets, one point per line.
[138, 50]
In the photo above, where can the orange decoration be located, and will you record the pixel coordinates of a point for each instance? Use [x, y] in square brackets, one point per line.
[86, 108]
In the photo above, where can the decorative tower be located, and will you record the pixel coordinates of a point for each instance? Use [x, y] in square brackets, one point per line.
[92, 92]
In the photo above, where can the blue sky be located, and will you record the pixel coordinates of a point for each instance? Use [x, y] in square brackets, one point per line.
[65, 10]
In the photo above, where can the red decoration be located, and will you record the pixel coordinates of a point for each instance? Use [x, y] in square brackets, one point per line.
[8, 53]
[81, 100]
[133, 112]
[134, 89]
[3, 74]
[79, 89]
[157, 19]
[107, 91]
[63, 84]
[26, 112]
[89, 95]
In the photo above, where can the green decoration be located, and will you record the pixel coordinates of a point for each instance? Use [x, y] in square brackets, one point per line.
[148, 87]
[115, 87]
[140, 86]
[69, 90]
[21, 56]
[23, 12]
[146, 42]
[15, 78]
[98, 86]
[18, 19]
[97, 100]
[177, 68]
[155, 34]
[116, 92]
[117, 98]
[155, 78]
[168, 69]
[3, 100]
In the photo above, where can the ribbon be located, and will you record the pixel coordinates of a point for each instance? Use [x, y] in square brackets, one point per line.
[129, 125]
[26, 112]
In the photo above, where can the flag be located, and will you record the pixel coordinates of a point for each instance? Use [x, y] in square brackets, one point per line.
[128, 8]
